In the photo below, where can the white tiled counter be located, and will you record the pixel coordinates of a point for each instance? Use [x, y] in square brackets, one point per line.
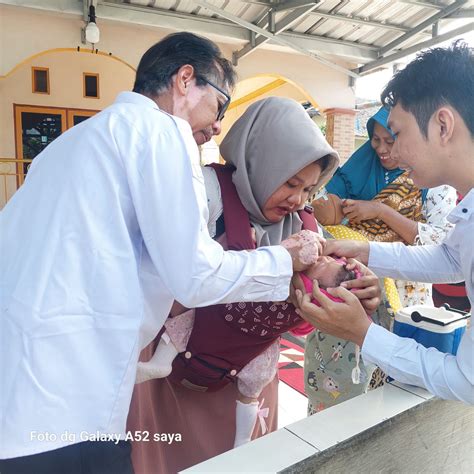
[395, 428]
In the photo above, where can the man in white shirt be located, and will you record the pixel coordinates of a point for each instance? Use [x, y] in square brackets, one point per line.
[433, 121]
[108, 229]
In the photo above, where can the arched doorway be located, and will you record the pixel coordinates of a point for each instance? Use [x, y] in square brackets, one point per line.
[256, 88]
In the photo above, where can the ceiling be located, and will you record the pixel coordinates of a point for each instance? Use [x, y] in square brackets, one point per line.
[355, 37]
[368, 33]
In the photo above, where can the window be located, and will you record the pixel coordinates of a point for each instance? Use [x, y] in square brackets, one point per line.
[35, 129]
[76, 116]
[91, 85]
[40, 80]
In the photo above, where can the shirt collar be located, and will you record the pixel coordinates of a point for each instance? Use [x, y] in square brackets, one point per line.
[140, 99]
[464, 209]
[135, 98]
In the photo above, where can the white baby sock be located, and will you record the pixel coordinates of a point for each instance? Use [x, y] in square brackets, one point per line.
[245, 418]
[159, 366]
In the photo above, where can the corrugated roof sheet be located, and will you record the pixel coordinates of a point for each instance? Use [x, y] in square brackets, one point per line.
[369, 24]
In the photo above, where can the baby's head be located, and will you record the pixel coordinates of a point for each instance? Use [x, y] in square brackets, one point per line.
[330, 272]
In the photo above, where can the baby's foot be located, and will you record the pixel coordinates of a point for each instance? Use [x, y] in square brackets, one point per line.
[160, 365]
[148, 371]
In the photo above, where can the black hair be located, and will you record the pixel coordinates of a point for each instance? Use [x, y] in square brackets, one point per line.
[163, 60]
[344, 275]
[437, 77]
[323, 162]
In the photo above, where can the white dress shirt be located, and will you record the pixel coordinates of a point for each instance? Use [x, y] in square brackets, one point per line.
[444, 375]
[110, 224]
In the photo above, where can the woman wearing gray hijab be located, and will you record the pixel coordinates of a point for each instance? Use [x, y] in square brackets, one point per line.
[272, 142]
[280, 158]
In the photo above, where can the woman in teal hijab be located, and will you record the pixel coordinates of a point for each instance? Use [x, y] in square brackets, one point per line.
[368, 171]
[376, 197]
[380, 201]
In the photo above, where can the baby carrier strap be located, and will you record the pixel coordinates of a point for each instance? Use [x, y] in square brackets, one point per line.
[236, 218]
[215, 353]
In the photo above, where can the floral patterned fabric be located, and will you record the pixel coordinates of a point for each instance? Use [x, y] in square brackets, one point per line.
[440, 201]
[402, 196]
[179, 329]
[262, 319]
[259, 372]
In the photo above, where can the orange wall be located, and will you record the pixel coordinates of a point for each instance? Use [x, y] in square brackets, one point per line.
[66, 90]
[66, 87]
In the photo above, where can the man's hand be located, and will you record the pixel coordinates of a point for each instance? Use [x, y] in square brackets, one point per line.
[304, 247]
[357, 211]
[369, 291]
[296, 284]
[346, 319]
[348, 248]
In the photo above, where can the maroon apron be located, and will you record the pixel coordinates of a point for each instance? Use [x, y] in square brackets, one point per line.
[226, 337]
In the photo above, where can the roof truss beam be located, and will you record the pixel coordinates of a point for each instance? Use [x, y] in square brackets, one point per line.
[417, 29]
[360, 21]
[182, 21]
[462, 13]
[278, 39]
[416, 3]
[284, 24]
[292, 4]
[178, 21]
[369, 67]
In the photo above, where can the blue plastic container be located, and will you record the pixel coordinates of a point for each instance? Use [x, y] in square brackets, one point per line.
[444, 334]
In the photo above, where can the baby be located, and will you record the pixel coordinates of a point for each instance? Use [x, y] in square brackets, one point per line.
[330, 272]
[261, 370]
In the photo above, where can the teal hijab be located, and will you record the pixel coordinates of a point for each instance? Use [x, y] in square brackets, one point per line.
[363, 176]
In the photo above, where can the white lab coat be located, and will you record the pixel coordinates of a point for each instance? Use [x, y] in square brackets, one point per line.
[444, 375]
[110, 222]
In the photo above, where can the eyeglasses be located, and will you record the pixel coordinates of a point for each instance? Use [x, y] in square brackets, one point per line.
[222, 107]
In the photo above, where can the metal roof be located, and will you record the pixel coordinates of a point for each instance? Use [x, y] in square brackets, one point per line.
[369, 33]
[352, 36]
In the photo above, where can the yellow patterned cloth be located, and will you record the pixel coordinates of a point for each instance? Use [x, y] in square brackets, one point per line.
[402, 196]
[346, 233]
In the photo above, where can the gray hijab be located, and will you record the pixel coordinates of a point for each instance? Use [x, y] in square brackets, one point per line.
[271, 142]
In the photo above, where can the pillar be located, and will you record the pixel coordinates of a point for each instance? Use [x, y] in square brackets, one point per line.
[340, 132]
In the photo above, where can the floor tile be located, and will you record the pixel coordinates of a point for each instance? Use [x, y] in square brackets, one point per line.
[292, 406]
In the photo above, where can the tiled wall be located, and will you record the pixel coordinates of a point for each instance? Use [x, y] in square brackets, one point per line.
[395, 428]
